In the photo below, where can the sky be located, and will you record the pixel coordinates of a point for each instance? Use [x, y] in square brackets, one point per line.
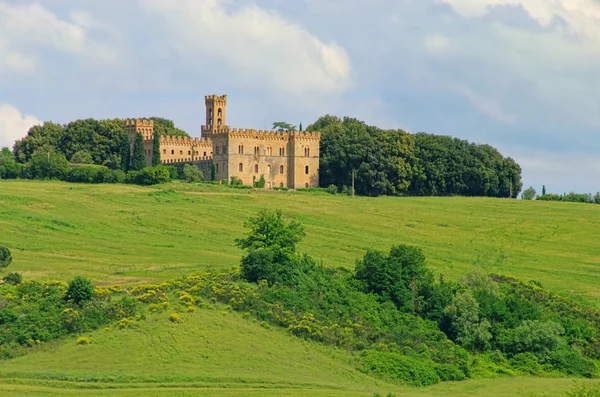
[521, 75]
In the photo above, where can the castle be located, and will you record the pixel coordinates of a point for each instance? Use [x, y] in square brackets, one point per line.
[285, 158]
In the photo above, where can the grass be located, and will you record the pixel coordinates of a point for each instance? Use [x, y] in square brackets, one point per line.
[130, 234]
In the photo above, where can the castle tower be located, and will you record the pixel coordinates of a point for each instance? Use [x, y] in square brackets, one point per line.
[216, 114]
[146, 129]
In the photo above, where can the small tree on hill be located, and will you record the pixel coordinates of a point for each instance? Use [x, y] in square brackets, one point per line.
[82, 157]
[80, 290]
[528, 194]
[191, 173]
[156, 149]
[5, 257]
[138, 159]
[543, 190]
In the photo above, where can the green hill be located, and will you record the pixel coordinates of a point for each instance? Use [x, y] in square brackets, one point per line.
[126, 234]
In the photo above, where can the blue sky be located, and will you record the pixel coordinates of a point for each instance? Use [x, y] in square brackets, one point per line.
[521, 75]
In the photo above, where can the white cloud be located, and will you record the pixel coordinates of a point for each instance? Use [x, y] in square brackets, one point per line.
[14, 125]
[438, 44]
[261, 47]
[26, 28]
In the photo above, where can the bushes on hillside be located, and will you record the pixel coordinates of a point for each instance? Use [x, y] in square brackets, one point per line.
[80, 290]
[95, 174]
[5, 257]
[149, 175]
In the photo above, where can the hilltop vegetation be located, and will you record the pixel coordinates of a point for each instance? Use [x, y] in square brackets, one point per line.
[385, 162]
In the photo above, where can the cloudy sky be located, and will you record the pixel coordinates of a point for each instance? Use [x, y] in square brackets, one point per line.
[521, 75]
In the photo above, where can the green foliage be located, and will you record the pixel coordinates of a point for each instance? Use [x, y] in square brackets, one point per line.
[543, 190]
[138, 157]
[260, 184]
[82, 157]
[95, 174]
[9, 168]
[5, 257]
[465, 324]
[125, 152]
[156, 149]
[582, 390]
[45, 163]
[533, 336]
[332, 189]
[283, 126]
[235, 181]
[400, 277]
[413, 371]
[528, 194]
[80, 290]
[13, 278]
[213, 172]
[191, 173]
[167, 127]
[149, 175]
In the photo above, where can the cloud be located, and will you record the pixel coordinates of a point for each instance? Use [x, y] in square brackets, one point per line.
[14, 125]
[28, 28]
[260, 47]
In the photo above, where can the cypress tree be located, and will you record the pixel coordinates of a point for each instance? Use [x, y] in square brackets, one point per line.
[156, 149]
[138, 159]
[125, 153]
[300, 129]
[213, 173]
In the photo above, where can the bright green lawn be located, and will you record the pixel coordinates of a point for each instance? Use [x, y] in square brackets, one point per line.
[125, 234]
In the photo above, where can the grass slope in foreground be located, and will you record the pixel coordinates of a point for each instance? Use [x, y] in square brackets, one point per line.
[214, 353]
[126, 234]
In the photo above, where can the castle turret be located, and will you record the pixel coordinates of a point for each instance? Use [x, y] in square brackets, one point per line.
[216, 114]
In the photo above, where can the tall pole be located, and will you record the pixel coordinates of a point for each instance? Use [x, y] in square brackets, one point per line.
[352, 183]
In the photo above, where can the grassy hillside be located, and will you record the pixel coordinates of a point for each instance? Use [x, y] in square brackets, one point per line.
[127, 234]
[214, 353]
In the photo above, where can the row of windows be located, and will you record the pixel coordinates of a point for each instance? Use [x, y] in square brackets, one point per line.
[181, 152]
[281, 169]
[269, 151]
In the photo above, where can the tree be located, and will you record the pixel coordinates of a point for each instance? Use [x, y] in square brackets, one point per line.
[543, 190]
[13, 278]
[270, 248]
[156, 149]
[138, 158]
[191, 173]
[5, 257]
[82, 157]
[125, 148]
[45, 163]
[300, 127]
[528, 194]
[213, 172]
[466, 327]
[80, 289]
[283, 126]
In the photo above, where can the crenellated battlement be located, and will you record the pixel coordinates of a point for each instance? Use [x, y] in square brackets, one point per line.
[248, 132]
[185, 141]
[139, 123]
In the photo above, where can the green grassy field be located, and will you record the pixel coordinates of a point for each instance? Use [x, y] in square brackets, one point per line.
[130, 234]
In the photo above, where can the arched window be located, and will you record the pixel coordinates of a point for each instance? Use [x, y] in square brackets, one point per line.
[204, 154]
[217, 150]
[281, 169]
[269, 151]
[219, 112]
[164, 151]
[241, 149]
[172, 151]
[306, 184]
[219, 122]
[256, 168]
[306, 152]
[210, 121]
[282, 151]
[256, 150]
[210, 112]
[216, 167]
[181, 152]
[269, 169]
[241, 167]
[306, 170]
[224, 149]
[268, 185]
[189, 152]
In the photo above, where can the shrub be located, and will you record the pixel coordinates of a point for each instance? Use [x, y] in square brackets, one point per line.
[260, 184]
[449, 372]
[572, 362]
[413, 371]
[191, 173]
[526, 362]
[13, 278]
[174, 317]
[80, 290]
[47, 164]
[82, 157]
[236, 181]
[5, 257]
[332, 189]
[83, 340]
[150, 175]
[533, 336]
[528, 194]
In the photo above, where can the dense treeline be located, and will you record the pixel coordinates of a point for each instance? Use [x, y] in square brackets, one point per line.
[87, 141]
[394, 162]
[400, 321]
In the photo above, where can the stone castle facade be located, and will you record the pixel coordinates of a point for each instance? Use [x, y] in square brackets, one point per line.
[285, 158]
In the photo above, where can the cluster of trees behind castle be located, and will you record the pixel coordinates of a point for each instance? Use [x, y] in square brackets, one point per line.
[384, 162]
